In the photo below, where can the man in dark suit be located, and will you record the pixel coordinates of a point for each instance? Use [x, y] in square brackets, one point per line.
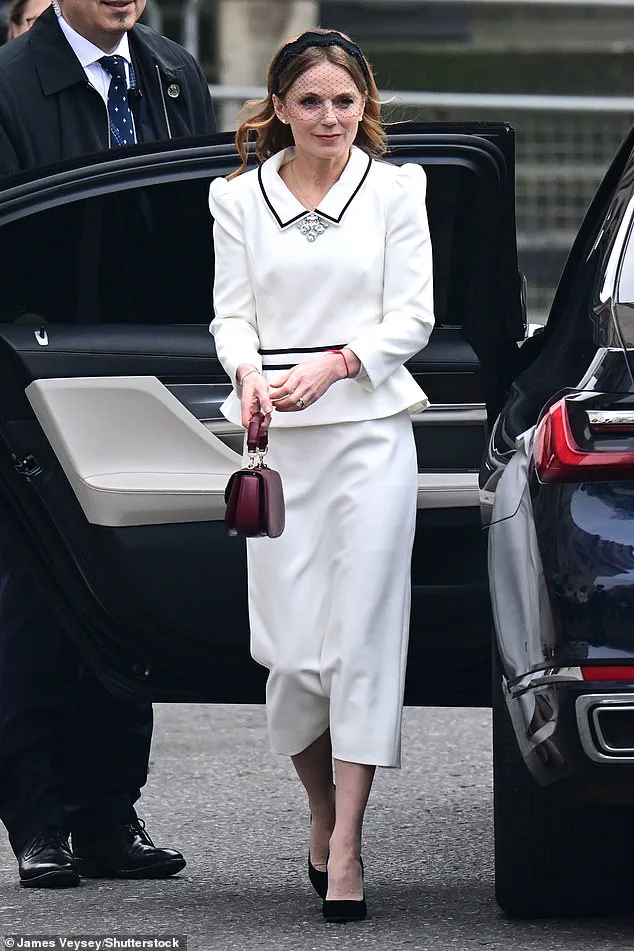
[51, 92]
[73, 758]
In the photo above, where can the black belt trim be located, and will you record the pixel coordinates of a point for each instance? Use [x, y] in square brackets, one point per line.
[334, 346]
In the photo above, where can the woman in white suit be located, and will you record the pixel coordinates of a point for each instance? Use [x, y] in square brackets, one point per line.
[323, 289]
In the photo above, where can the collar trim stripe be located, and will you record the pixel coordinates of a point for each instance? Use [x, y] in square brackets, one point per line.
[335, 220]
[352, 196]
[282, 224]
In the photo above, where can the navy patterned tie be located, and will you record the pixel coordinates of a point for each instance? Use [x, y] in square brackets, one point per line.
[121, 122]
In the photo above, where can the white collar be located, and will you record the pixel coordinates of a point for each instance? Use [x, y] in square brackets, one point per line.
[287, 210]
[86, 52]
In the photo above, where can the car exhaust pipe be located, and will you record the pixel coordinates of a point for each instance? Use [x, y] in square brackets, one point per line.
[606, 726]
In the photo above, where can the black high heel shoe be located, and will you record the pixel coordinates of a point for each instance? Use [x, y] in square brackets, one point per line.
[318, 879]
[344, 910]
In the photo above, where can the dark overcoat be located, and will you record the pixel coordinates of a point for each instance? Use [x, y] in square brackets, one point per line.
[49, 111]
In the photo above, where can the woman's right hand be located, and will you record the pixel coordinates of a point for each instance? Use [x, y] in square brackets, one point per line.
[255, 396]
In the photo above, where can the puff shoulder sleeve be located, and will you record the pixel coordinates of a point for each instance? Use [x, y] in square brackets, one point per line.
[234, 326]
[408, 296]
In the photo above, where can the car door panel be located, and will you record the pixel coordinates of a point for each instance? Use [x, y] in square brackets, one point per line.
[158, 610]
[176, 353]
[116, 453]
[131, 451]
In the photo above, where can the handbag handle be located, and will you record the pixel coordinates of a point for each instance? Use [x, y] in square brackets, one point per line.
[257, 436]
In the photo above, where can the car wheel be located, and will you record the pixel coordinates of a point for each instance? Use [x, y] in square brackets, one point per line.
[553, 857]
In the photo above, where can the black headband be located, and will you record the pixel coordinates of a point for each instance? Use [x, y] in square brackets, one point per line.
[308, 40]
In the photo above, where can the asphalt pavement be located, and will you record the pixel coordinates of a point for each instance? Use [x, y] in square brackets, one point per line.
[237, 812]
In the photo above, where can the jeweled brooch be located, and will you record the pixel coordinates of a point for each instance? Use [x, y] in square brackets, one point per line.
[312, 226]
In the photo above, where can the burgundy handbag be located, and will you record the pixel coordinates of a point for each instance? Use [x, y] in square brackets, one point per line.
[254, 495]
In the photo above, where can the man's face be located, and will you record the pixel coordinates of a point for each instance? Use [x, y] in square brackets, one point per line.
[103, 22]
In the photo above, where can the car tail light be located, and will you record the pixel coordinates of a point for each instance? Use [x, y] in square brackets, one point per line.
[614, 672]
[559, 458]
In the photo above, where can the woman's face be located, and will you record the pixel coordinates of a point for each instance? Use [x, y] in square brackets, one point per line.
[324, 108]
[31, 12]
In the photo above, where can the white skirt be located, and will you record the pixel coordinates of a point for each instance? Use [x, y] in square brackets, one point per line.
[329, 600]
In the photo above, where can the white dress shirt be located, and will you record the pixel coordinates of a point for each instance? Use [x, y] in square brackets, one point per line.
[89, 55]
[365, 282]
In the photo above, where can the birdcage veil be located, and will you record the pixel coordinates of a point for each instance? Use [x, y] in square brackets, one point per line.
[289, 70]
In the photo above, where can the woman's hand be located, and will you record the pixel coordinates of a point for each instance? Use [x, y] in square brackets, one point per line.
[255, 396]
[307, 382]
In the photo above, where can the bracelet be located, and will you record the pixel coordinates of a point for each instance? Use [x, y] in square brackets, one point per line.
[252, 370]
[343, 357]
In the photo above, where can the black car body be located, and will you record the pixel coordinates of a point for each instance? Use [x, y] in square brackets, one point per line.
[558, 499]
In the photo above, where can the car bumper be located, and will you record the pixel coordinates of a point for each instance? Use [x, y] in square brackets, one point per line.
[577, 737]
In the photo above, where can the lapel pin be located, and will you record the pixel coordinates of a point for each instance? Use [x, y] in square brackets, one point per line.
[173, 91]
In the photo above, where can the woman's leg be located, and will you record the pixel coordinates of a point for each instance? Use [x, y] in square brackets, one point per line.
[353, 784]
[314, 768]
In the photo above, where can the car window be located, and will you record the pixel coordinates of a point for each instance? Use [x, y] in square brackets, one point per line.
[450, 208]
[145, 255]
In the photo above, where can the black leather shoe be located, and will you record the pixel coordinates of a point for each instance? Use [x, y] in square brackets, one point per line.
[46, 861]
[124, 851]
[345, 910]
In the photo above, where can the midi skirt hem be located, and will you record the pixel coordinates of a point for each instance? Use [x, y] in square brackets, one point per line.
[345, 753]
[348, 756]
[287, 746]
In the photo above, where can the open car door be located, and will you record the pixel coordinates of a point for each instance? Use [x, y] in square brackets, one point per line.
[114, 455]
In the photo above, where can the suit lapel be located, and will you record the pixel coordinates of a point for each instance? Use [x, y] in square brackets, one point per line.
[56, 64]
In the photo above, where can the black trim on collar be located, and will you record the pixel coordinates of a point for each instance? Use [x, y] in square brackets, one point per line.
[275, 214]
[353, 195]
[285, 224]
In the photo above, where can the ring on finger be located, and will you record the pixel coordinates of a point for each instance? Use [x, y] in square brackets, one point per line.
[301, 403]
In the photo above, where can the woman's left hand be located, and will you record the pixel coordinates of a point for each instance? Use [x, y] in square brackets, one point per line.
[306, 382]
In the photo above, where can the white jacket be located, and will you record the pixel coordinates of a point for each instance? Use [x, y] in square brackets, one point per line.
[365, 282]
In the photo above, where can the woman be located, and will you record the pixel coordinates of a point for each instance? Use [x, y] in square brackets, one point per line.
[323, 289]
[22, 14]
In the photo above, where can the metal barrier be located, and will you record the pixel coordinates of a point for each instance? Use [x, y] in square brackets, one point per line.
[564, 147]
